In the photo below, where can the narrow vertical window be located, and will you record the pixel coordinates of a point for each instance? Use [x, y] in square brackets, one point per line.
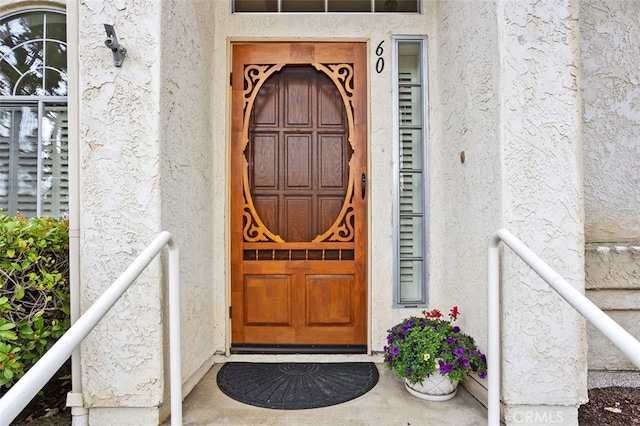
[410, 171]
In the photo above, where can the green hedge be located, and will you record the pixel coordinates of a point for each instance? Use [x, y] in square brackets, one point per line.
[34, 291]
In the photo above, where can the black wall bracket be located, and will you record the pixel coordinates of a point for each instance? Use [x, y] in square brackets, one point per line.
[119, 51]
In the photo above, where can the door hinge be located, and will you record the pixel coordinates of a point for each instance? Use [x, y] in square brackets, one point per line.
[230, 79]
[230, 312]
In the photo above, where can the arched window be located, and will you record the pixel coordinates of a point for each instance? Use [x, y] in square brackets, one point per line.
[33, 114]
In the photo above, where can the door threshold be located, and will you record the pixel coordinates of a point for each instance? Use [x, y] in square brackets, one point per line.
[262, 349]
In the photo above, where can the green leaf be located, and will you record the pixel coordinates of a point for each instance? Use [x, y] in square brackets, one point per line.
[33, 257]
[25, 330]
[19, 292]
[8, 335]
[7, 326]
[38, 322]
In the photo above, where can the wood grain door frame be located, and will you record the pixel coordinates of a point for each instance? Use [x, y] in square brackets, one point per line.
[345, 64]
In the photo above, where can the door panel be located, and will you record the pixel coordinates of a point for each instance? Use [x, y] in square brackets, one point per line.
[298, 226]
[266, 299]
[329, 300]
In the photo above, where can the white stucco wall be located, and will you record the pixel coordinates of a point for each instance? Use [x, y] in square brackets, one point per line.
[611, 96]
[508, 91]
[120, 158]
[611, 76]
[146, 166]
[466, 202]
[613, 284]
[187, 180]
[544, 348]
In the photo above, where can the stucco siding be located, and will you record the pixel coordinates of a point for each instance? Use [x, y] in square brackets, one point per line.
[611, 97]
[466, 199]
[120, 200]
[187, 180]
[611, 94]
[613, 284]
[542, 199]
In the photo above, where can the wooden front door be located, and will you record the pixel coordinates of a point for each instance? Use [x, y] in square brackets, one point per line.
[298, 196]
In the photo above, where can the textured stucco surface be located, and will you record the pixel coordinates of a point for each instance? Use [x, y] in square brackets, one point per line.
[120, 200]
[508, 96]
[611, 91]
[611, 96]
[465, 196]
[542, 193]
[146, 167]
[615, 267]
[603, 355]
[613, 284]
[186, 168]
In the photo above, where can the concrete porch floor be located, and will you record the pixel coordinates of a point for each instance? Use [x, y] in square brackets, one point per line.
[388, 403]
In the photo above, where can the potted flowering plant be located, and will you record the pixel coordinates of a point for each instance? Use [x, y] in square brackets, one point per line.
[431, 348]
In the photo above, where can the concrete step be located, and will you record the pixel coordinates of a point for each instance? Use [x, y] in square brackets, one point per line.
[388, 403]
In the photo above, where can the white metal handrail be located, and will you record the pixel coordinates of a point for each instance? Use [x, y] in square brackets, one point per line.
[611, 329]
[23, 391]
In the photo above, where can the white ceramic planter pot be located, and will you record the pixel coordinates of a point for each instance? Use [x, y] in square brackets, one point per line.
[435, 387]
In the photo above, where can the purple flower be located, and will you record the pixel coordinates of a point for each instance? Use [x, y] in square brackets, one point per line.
[389, 339]
[459, 351]
[473, 353]
[410, 323]
[463, 362]
[395, 350]
[456, 329]
[483, 358]
[445, 367]
[449, 340]
[405, 328]
[409, 371]
[482, 374]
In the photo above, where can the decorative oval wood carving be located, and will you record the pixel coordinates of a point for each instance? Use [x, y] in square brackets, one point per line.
[342, 230]
[253, 228]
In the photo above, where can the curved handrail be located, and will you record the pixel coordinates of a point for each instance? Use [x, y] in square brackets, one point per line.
[23, 391]
[611, 329]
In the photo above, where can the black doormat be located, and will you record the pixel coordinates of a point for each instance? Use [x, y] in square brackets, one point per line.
[296, 386]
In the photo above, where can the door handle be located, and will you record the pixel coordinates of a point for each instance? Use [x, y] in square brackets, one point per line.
[363, 180]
